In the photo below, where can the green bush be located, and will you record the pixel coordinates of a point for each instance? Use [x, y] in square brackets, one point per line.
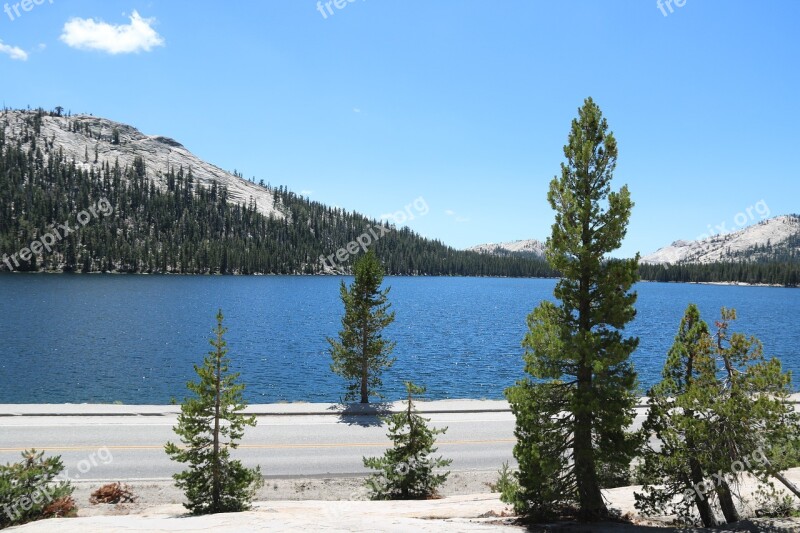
[406, 471]
[506, 485]
[27, 491]
[772, 503]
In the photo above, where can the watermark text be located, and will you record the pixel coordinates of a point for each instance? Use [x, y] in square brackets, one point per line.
[13, 10]
[46, 242]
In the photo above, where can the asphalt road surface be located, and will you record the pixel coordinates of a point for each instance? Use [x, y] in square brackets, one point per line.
[128, 448]
[126, 443]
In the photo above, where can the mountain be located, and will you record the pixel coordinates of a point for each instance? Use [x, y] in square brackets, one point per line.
[86, 194]
[767, 253]
[773, 239]
[521, 248]
[92, 142]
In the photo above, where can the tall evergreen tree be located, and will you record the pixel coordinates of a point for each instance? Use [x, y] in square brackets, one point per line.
[210, 424]
[361, 354]
[571, 419]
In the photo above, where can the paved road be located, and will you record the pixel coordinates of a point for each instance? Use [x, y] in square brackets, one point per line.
[126, 443]
[112, 447]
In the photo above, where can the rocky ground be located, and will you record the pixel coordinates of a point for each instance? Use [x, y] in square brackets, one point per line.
[340, 504]
[153, 494]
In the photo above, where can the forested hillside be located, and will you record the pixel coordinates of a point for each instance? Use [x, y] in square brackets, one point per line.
[171, 220]
[190, 228]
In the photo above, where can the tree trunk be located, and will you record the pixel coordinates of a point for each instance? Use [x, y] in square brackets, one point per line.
[726, 502]
[590, 498]
[215, 497]
[707, 515]
[364, 362]
[788, 484]
[364, 388]
[703, 506]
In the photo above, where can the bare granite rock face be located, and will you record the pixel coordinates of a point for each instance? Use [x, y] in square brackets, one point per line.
[748, 243]
[727, 246]
[527, 247]
[96, 143]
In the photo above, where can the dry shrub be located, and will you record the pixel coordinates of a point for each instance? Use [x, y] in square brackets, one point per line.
[112, 493]
[64, 506]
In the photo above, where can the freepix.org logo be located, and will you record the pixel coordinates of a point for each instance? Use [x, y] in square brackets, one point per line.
[666, 6]
[46, 241]
[17, 9]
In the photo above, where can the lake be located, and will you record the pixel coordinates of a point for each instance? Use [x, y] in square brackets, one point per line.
[134, 339]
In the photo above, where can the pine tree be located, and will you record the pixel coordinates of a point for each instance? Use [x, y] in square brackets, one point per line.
[753, 413]
[361, 353]
[675, 409]
[406, 470]
[209, 426]
[720, 404]
[572, 418]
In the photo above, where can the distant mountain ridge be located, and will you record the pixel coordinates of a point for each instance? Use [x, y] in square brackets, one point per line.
[766, 253]
[773, 239]
[522, 248]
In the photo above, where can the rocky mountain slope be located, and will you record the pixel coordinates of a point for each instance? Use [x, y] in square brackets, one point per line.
[774, 239]
[92, 141]
[528, 247]
[769, 239]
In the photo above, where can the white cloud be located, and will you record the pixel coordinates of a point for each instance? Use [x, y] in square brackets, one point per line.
[14, 52]
[458, 219]
[89, 34]
[356, 110]
[306, 192]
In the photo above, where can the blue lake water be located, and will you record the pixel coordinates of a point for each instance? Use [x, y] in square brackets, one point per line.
[134, 339]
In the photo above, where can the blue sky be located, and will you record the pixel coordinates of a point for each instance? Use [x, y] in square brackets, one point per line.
[464, 103]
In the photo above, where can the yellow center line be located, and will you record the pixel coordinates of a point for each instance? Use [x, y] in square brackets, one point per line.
[251, 446]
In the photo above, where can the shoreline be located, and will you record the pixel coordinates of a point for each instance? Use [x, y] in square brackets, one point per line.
[256, 274]
[345, 274]
[735, 284]
[266, 409]
[278, 409]
[722, 283]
